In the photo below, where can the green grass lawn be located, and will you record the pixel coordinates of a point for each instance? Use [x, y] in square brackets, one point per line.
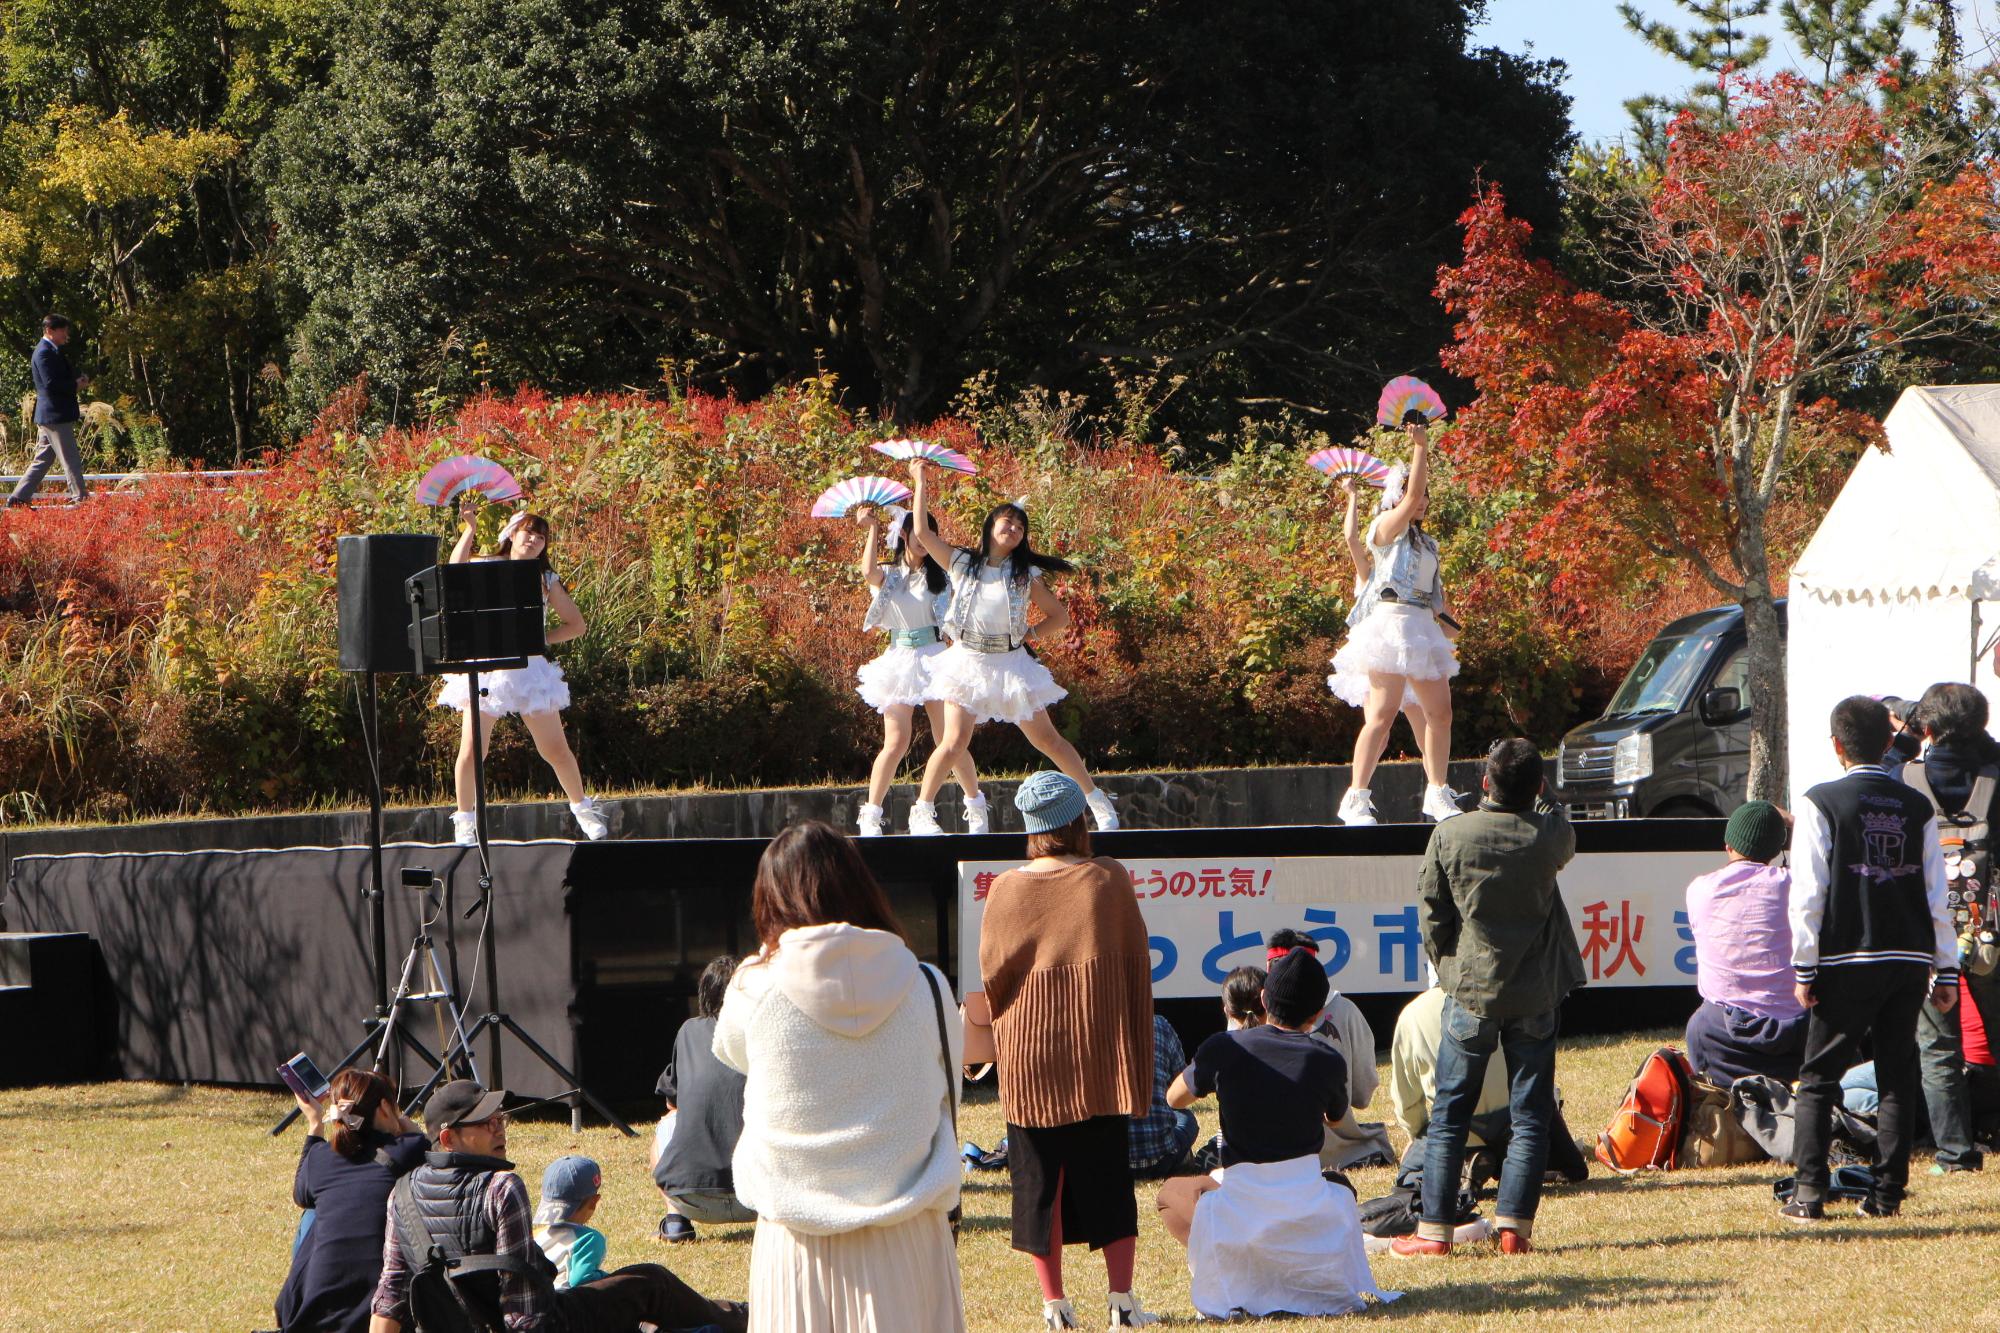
[143, 1206]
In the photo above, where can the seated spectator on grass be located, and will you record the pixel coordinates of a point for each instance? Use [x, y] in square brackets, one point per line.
[1749, 1021]
[705, 1118]
[467, 1194]
[1346, 1030]
[358, 1145]
[1273, 1235]
[570, 1190]
[852, 1053]
[1161, 1137]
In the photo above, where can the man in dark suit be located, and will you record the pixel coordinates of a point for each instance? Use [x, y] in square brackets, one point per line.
[56, 415]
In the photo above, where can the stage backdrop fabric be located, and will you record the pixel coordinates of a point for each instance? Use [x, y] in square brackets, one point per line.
[222, 964]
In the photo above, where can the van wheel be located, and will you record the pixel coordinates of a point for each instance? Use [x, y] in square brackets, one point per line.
[1685, 807]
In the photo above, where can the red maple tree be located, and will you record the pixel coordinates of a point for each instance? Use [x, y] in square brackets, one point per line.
[1778, 253]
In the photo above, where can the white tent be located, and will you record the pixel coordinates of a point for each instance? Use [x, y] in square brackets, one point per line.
[1904, 570]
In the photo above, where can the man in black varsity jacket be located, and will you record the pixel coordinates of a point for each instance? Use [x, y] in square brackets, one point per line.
[1872, 937]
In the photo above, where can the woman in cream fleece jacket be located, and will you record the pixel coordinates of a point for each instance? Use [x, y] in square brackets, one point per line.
[848, 1154]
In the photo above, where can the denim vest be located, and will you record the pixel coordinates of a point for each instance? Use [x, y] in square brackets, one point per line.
[965, 592]
[878, 602]
[1394, 577]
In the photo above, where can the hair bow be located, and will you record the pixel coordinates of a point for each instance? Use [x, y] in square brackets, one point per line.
[1392, 487]
[508, 528]
[343, 1111]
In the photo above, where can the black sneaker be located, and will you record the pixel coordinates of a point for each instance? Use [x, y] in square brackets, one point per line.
[674, 1229]
[1803, 1212]
[1876, 1208]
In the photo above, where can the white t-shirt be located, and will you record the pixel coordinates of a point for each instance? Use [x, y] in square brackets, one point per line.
[907, 601]
[992, 610]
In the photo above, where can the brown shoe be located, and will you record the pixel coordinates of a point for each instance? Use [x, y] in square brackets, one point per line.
[1513, 1242]
[1412, 1247]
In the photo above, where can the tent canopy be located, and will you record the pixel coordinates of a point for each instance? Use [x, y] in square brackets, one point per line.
[1920, 519]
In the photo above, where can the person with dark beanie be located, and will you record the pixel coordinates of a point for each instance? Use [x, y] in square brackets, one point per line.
[1749, 1021]
[1871, 938]
[1273, 1234]
[1497, 931]
[1960, 775]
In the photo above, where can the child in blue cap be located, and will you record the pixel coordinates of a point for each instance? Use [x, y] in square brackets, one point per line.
[570, 1190]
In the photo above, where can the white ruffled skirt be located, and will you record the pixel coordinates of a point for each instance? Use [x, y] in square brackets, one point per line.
[994, 687]
[1392, 640]
[538, 687]
[898, 676]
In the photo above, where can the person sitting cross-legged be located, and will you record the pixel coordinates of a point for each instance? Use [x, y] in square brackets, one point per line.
[1161, 1138]
[467, 1198]
[1272, 1234]
[1749, 1021]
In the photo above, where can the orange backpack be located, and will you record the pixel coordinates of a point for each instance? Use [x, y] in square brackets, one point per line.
[1645, 1130]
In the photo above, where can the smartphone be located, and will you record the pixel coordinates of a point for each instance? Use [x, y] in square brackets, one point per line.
[302, 1076]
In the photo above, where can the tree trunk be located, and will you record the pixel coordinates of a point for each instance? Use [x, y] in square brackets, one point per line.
[1769, 738]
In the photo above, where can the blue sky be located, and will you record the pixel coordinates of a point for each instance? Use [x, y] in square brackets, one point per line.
[1608, 64]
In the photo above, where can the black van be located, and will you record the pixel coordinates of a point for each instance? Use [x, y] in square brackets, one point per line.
[1675, 741]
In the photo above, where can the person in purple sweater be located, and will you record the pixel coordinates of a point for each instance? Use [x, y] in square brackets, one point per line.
[1749, 1022]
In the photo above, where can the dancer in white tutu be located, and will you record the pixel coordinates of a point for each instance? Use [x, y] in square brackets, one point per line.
[537, 691]
[1399, 645]
[910, 589]
[988, 674]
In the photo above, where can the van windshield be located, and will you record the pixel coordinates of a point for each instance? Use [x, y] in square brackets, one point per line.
[1663, 677]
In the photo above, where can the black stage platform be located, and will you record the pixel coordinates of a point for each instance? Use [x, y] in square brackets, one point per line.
[218, 964]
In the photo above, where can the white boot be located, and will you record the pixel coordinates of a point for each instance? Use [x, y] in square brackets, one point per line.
[1126, 1312]
[1441, 802]
[977, 817]
[465, 828]
[923, 818]
[868, 821]
[1058, 1314]
[590, 819]
[1357, 807]
[1103, 810]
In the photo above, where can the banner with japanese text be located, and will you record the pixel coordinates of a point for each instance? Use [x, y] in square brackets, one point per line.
[1206, 917]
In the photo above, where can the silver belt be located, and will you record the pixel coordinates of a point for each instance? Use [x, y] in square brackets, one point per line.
[913, 638]
[987, 643]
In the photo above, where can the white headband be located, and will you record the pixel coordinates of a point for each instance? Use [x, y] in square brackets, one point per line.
[508, 528]
[892, 522]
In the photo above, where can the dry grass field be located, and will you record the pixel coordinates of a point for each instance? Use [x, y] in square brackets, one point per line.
[151, 1207]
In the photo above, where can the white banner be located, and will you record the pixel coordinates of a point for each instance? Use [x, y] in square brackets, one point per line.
[1208, 917]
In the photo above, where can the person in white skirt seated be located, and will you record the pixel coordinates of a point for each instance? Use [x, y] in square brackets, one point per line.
[988, 674]
[1267, 1233]
[1399, 645]
[536, 692]
[850, 1055]
[911, 591]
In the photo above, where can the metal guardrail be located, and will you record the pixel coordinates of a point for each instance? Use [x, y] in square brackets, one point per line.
[123, 478]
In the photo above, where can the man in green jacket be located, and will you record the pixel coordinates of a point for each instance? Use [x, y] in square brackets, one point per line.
[1506, 955]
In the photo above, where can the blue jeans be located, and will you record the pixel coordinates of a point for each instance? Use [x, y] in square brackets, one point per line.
[1467, 1042]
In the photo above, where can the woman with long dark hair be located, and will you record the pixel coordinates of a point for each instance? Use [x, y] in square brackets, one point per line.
[909, 591]
[1399, 645]
[988, 674]
[850, 1056]
[537, 691]
[358, 1145]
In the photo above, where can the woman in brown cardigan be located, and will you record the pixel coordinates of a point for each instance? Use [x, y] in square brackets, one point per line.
[1068, 983]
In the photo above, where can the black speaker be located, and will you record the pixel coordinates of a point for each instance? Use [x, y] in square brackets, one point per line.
[488, 613]
[374, 611]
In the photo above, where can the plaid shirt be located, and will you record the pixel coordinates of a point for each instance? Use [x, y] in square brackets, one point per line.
[522, 1302]
[1157, 1134]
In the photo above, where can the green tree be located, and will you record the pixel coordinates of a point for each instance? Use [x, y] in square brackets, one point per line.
[1246, 201]
[1838, 38]
[1716, 41]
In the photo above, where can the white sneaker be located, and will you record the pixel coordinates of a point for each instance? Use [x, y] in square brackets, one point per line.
[590, 819]
[1103, 810]
[465, 828]
[1441, 803]
[1357, 808]
[868, 821]
[978, 818]
[1058, 1315]
[923, 818]
[1126, 1312]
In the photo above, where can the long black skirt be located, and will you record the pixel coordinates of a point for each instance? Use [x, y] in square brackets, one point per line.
[1084, 1164]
